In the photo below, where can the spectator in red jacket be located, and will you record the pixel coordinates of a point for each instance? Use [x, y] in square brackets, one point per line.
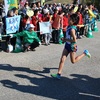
[35, 21]
[55, 14]
[57, 25]
[25, 21]
[65, 23]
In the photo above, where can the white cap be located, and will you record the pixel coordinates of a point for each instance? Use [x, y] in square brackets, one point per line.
[45, 11]
[29, 26]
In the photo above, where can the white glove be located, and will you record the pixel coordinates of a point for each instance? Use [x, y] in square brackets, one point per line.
[11, 36]
[39, 43]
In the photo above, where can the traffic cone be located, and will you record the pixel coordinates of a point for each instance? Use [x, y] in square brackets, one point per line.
[18, 46]
[95, 27]
[89, 34]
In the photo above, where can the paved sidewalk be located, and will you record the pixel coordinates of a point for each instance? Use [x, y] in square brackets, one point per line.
[26, 76]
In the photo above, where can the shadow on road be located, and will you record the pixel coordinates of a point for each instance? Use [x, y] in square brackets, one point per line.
[79, 87]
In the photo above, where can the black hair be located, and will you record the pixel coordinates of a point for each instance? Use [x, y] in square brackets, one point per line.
[26, 16]
[60, 12]
[36, 11]
[79, 10]
[74, 18]
[9, 13]
[14, 9]
[55, 10]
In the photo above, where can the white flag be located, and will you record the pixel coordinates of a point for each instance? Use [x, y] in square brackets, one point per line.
[6, 6]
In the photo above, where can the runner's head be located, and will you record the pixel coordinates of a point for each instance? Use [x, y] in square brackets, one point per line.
[74, 19]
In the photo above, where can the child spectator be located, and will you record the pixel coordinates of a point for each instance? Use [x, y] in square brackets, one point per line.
[46, 18]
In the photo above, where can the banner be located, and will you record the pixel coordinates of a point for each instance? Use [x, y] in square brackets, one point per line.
[9, 4]
[13, 3]
[12, 24]
[45, 27]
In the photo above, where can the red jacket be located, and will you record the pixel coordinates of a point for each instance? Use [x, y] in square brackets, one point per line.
[65, 23]
[35, 22]
[80, 19]
[24, 22]
[58, 22]
[46, 18]
[54, 16]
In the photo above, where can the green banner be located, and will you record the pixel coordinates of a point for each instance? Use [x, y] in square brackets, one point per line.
[11, 1]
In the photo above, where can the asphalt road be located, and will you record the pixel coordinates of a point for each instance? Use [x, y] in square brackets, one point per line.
[26, 76]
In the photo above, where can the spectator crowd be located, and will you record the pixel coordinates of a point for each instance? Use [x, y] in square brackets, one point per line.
[57, 14]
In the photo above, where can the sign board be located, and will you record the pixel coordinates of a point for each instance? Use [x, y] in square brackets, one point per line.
[45, 27]
[12, 24]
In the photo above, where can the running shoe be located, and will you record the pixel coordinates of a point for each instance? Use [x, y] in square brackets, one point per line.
[57, 76]
[87, 53]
